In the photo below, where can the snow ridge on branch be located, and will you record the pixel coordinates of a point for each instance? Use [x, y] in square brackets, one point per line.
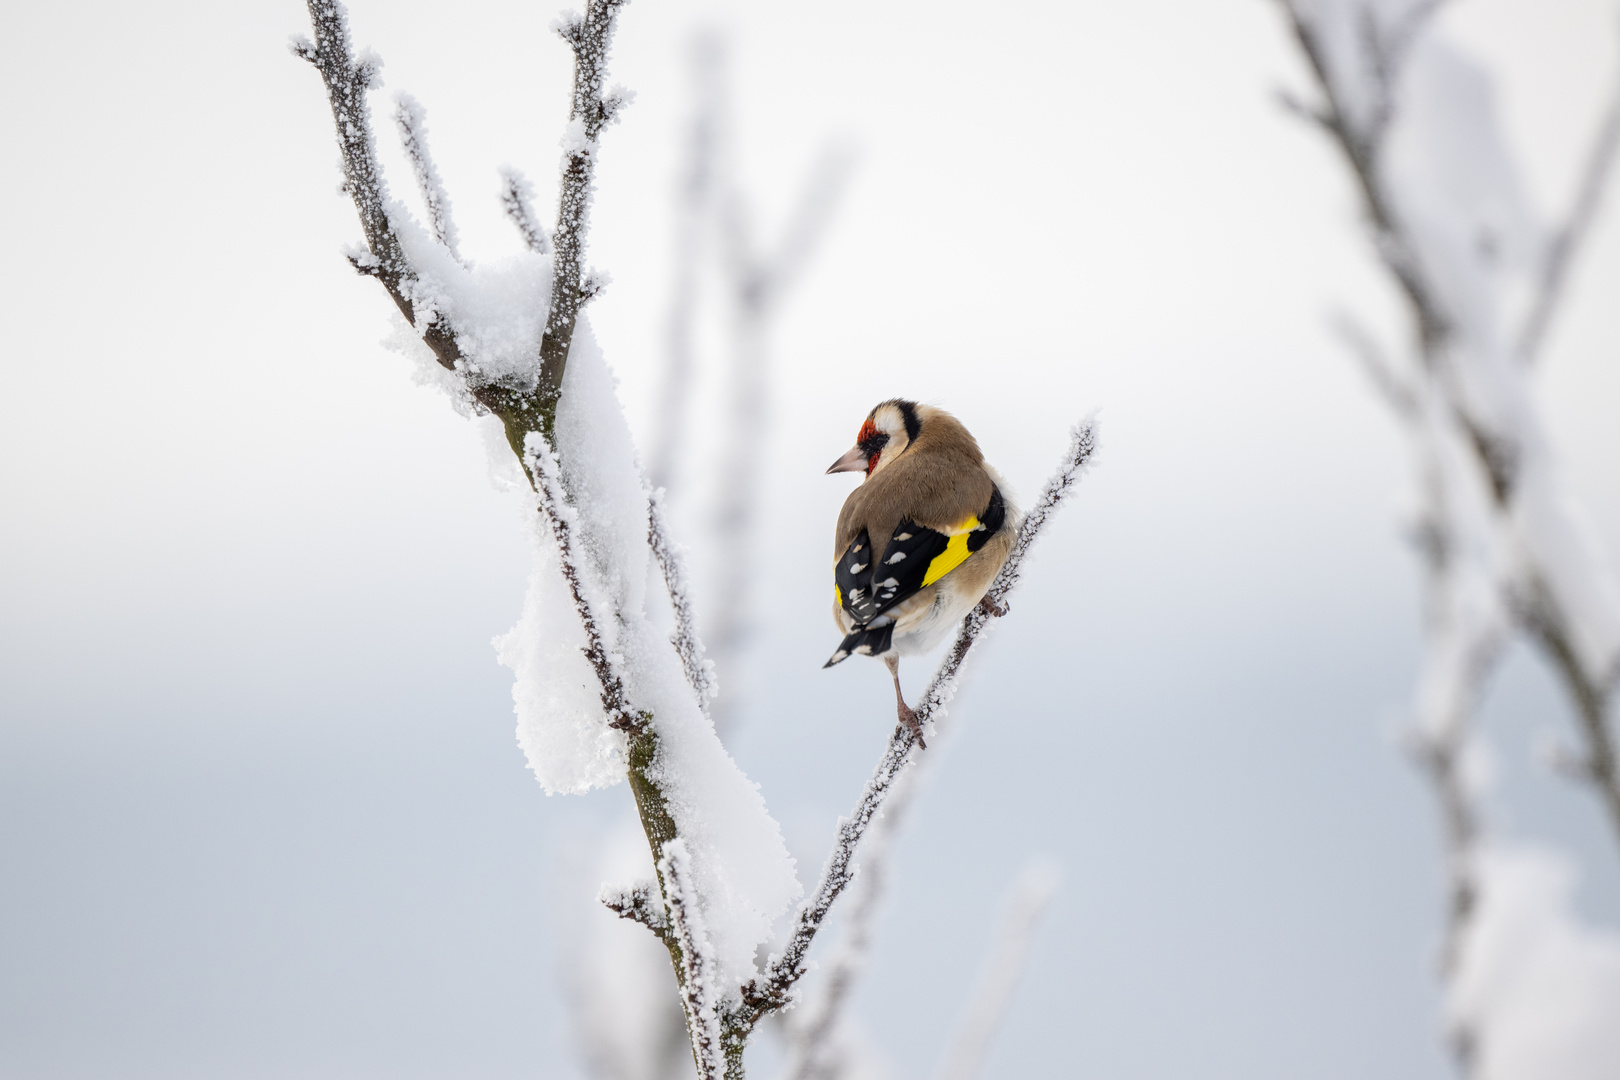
[700, 989]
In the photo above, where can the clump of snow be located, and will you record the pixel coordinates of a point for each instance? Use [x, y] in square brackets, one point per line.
[1541, 988]
[498, 309]
[739, 862]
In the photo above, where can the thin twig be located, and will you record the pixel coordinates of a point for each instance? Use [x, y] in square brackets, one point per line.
[699, 672]
[411, 120]
[816, 1051]
[517, 196]
[638, 903]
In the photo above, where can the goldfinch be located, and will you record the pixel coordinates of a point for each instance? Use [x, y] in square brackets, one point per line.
[919, 541]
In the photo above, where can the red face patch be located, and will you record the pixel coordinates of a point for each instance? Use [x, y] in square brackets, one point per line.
[868, 430]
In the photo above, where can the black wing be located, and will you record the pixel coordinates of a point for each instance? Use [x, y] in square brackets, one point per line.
[915, 558]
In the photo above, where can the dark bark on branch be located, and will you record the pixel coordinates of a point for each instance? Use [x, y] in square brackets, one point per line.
[589, 36]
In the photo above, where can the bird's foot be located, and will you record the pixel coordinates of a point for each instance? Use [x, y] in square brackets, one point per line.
[991, 608]
[908, 717]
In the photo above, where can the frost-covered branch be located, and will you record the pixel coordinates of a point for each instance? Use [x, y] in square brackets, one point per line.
[347, 80]
[541, 463]
[772, 989]
[638, 903]
[1024, 908]
[1503, 547]
[701, 992]
[411, 120]
[699, 672]
[589, 35]
[1563, 593]
[816, 1051]
[522, 405]
[517, 195]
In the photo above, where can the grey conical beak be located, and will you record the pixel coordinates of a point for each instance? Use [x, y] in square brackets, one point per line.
[854, 461]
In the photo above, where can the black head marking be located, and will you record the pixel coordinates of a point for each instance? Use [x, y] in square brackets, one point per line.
[908, 416]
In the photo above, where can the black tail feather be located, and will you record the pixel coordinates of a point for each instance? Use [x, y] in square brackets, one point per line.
[865, 641]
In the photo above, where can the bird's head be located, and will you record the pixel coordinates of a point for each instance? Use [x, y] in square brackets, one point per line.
[889, 429]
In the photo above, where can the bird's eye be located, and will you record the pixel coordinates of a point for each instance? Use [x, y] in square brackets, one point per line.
[873, 442]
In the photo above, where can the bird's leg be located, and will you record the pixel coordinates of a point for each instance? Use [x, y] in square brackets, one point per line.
[908, 716]
[992, 608]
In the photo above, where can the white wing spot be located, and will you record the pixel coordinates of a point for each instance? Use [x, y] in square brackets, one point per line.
[856, 567]
[898, 556]
[902, 536]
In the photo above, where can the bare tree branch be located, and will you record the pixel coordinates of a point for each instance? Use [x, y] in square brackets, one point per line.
[1561, 250]
[411, 120]
[700, 989]
[517, 195]
[772, 989]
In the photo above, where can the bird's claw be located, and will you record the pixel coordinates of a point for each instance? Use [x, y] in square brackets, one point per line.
[908, 718]
[993, 609]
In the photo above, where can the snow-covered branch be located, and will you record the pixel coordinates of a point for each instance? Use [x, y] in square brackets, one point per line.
[589, 35]
[1503, 546]
[701, 990]
[638, 903]
[772, 989]
[1563, 593]
[517, 195]
[411, 120]
[816, 1049]
[347, 81]
[699, 672]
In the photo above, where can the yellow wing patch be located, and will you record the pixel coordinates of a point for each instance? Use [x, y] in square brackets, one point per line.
[838, 596]
[955, 553]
